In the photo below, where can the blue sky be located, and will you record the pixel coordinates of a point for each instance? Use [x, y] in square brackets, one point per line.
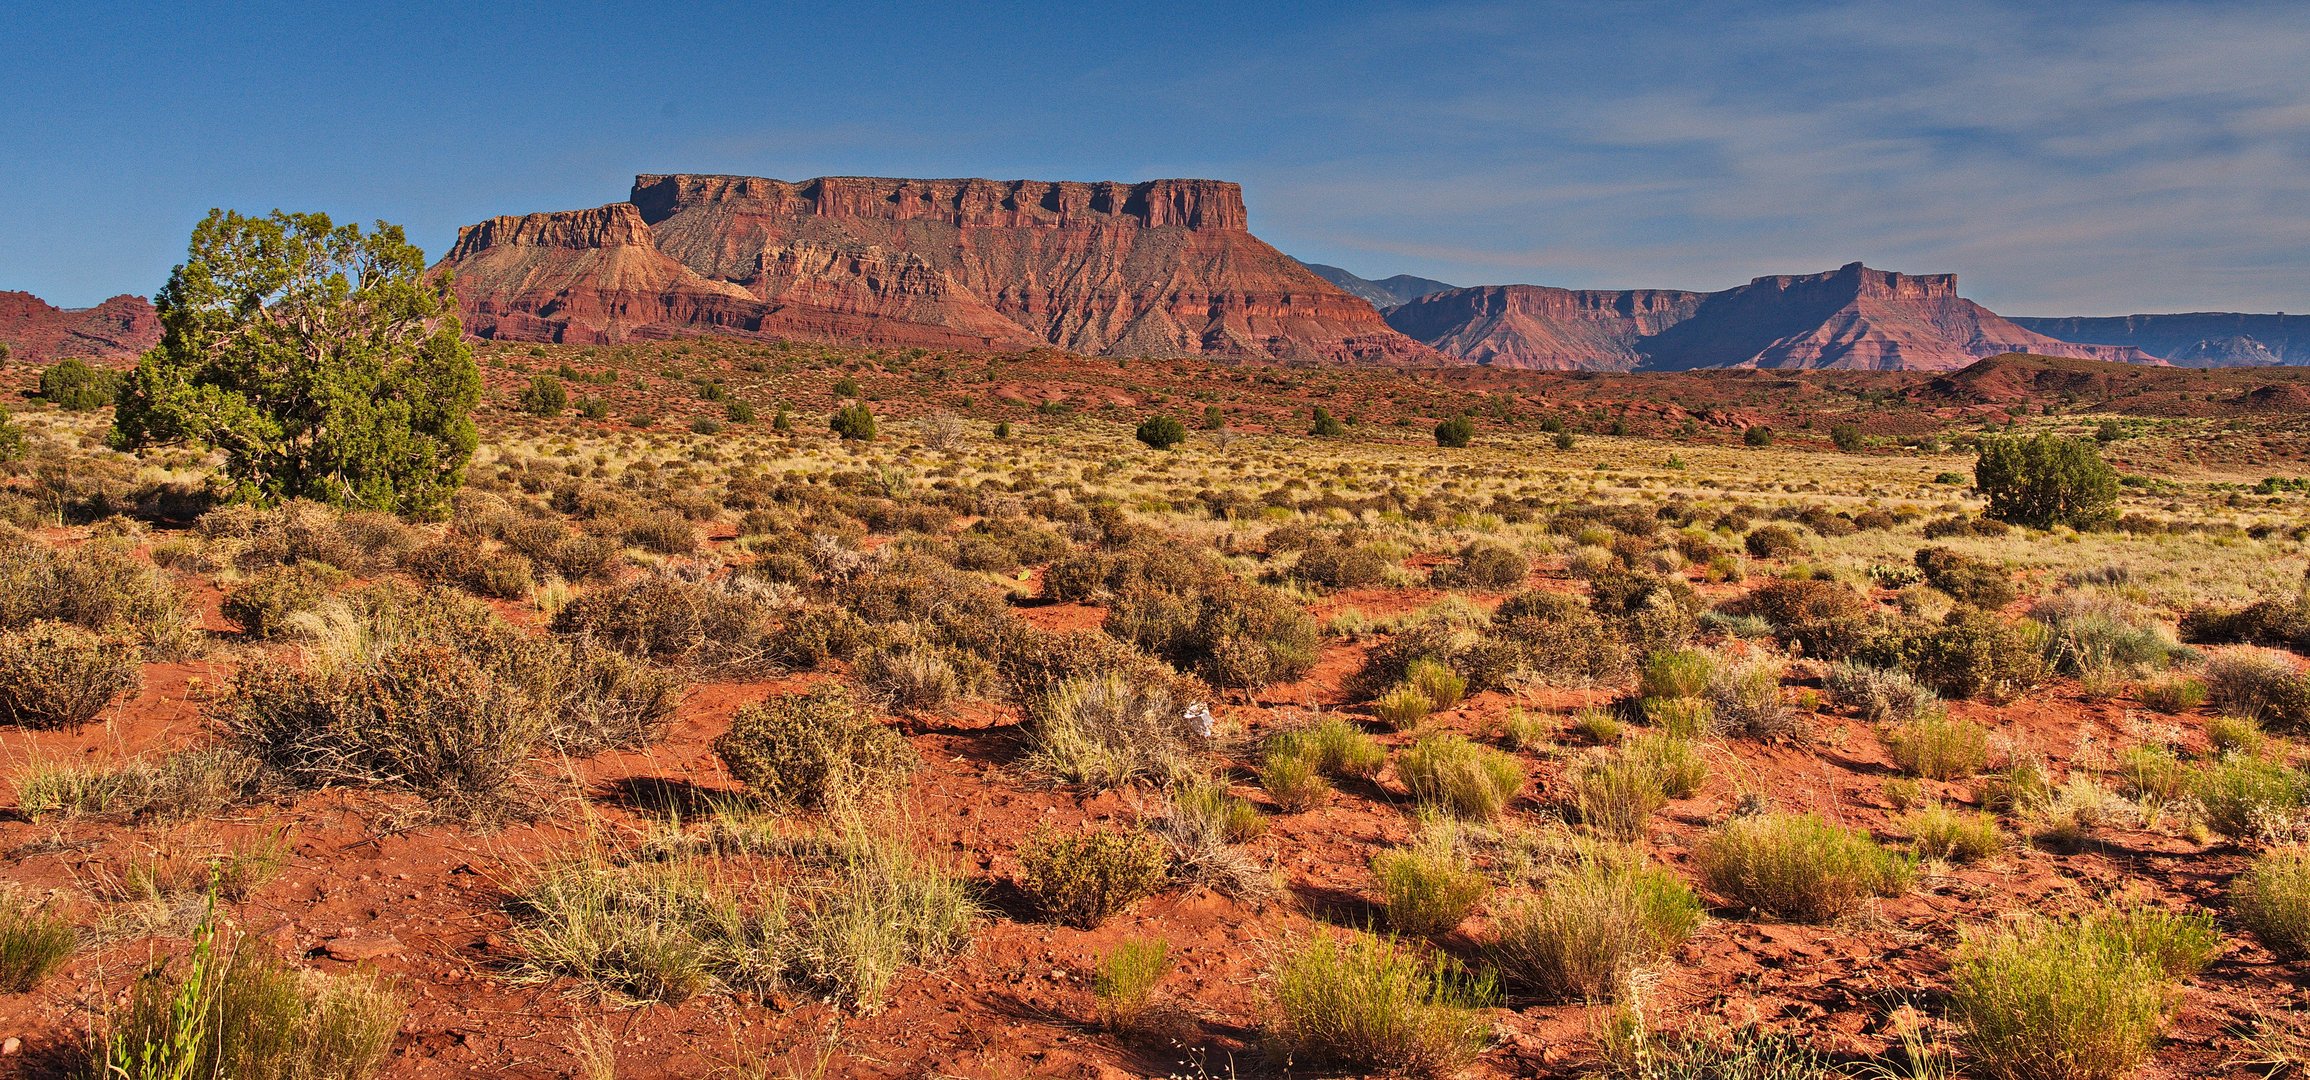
[2097, 158]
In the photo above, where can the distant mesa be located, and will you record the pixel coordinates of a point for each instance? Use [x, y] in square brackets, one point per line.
[1851, 318]
[39, 332]
[1384, 293]
[1157, 268]
[2194, 339]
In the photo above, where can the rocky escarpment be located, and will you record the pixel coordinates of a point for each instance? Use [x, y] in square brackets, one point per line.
[37, 331]
[1852, 318]
[2194, 339]
[1159, 268]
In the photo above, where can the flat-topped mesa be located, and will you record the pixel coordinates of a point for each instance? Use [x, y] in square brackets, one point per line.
[1854, 281]
[1157, 268]
[1187, 204]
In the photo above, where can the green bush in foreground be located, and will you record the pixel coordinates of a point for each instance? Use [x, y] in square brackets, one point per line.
[1361, 1002]
[1447, 771]
[808, 749]
[2075, 999]
[1582, 935]
[1429, 888]
[1085, 879]
[32, 944]
[1797, 866]
[2046, 480]
[1160, 432]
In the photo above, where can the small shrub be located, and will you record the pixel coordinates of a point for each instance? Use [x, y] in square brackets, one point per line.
[1325, 425]
[1672, 759]
[1335, 747]
[1798, 866]
[75, 385]
[1773, 542]
[1677, 673]
[1109, 729]
[1587, 930]
[1746, 697]
[2153, 774]
[1974, 654]
[2046, 480]
[2262, 685]
[544, 396]
[2272, 901]
[1160, 432]
[1456, 432]
[1597, 726]
[1939, 748]
[1883, 695]
[807, 749]
[2235, 735]
[1124, 985]
[2057, 999]
[1953, 835]
[1484, 566]
[1403, 708]
[853, 422]
[1442, 686]
[1616, 797]
[2243, 797]
[1683, 718]
[1211, 809]
[1447, 771]
[55, 675]
[1085, 879]
[1290, 776]
[1970, 580]
[235, 1011]
[1428, 889]
[1757, 435]
[2174, 696]
[33, 944]
[1369, 1003]
[265, 605]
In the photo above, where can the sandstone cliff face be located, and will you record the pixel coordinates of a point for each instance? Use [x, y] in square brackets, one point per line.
[2194, 339]
[38, 332]
[1849, 318]
[1160, 268]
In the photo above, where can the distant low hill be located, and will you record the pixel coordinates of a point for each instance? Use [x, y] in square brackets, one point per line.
[1851, 318]
[1386, 292]
[37, 331]
[2020, 379]
[2193, 339]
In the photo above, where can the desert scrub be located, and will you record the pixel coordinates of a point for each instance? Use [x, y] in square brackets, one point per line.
[2244, 797]
[232, 1010]
[1582, 935]
[1209, 807]
[1442, 686]
[56, 675]
[1427, 889]
[1938, 832]
[888, 907]
[1882, 695]
[1939, 748]
[100, 586]
[650, 931]
[2272, 901]
[1974, 654]
[1615, 796]
[1288, 772]
[1084, 879]
[1969, 580]
[190, 784]
[1403, 707]
[1447, 771]
[1124, 984]
[1680, 717]
[33, 944]
[1798, 867]
[1677, 673]
[1597, 726]
[2174, 696]
[1484, 565]
[264, 605]
[1108, 729]
[1366, 1003]
[2152, 774]
[1746, 697]
[2049, 999]
[814, 748]
[2262, 685]
[1336, 747]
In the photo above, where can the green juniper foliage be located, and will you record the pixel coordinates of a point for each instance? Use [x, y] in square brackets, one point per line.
[323, 360]
[2046, 480]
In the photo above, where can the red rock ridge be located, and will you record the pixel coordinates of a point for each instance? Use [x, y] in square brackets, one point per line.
[1160, 268]
[1542, 328]
[39, 332]
[1852, 318]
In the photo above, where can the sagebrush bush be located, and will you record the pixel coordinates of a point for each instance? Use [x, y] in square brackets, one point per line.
[265, 605]
[101, 586]
[2272, 901]
[1822, 618]
[1746, 698]
[813, 748]
[1484, 565]
[1447, 771]
[1428, 889]
[1798, 866]
[1087, 878]
[1365, 1003]
[2262, 685]
[56, 675]
[1882, 694]
[1582, 935]
[1968, 579]
[1969, 654]
[1773, 542]
[1939, 747]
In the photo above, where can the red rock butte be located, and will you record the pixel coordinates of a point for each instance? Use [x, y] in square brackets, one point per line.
[1156, 268]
